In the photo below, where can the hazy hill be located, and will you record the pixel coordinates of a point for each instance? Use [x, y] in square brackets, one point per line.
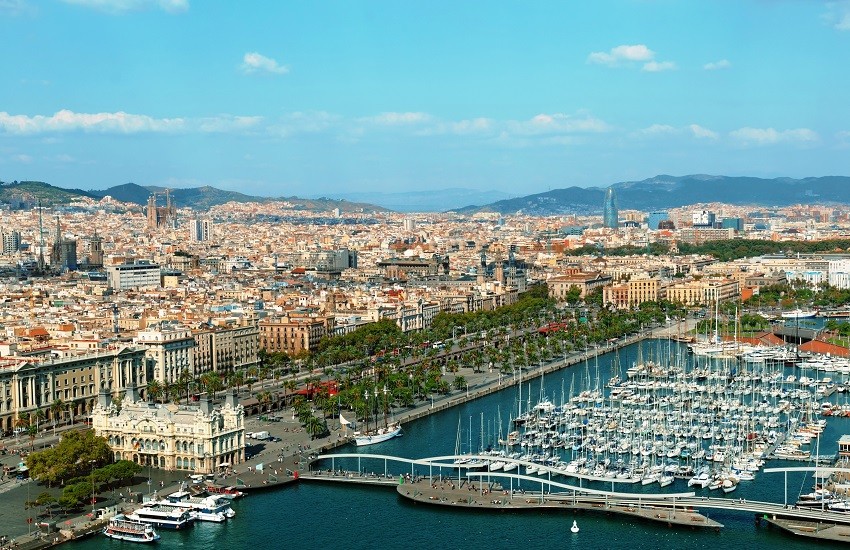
[203, 198]
[35, 191]
[665, 191]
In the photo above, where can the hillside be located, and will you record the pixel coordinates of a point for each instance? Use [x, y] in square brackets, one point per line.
[665, 191]
[203, 198]
[33, 192]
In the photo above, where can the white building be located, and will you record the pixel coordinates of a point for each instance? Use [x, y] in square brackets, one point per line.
[200, 230]
[136, 275]
[201, 439]
[170, 351]
[839, 273]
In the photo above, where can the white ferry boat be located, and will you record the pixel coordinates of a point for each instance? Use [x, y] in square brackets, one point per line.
[799, 314]
[211, 508]
[122, 528]
[165, 516]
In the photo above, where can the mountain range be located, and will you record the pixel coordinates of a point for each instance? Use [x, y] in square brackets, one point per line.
[657, 193]
[198, 198]
[665, 191]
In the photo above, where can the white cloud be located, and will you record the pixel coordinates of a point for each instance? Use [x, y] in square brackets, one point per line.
[629, 55]
[701, 132]
[124, 6]
[658, 66]
[626, 52]
[665, 130]
[557, 123]
[311, 122]
[228, 123]
[66, 121]
[394, 119]
[770, 136]
[717, 65]
[22, 158]
[658, 130]
[838, 15]
[253, 62]
[13, 7]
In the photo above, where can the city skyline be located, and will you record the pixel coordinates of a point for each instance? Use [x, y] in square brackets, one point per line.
[326, 99]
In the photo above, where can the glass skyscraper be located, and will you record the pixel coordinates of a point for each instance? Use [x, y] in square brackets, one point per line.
[609, 209]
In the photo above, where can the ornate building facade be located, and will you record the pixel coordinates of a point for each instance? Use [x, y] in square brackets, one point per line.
[202, 439]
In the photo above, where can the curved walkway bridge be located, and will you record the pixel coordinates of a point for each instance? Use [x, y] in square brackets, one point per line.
[440, 480]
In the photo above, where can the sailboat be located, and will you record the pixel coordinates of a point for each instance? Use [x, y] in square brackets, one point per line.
[379, 435]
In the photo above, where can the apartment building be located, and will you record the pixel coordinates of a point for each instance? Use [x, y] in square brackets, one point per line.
[29, 384]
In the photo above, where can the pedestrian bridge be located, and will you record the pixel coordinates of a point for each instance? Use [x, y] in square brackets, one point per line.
[553, 490]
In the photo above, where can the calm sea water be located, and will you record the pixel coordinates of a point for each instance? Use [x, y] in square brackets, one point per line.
[323, 515]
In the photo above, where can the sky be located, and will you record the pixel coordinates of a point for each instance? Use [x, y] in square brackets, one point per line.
[282, 98]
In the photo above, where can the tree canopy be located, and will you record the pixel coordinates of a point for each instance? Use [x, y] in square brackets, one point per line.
[74, 456]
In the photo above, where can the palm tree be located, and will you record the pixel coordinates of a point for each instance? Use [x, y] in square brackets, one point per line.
[40, 417]
[155, 389]
[237, 379]
[22, 422]
[314, 426]
[56, 409]
[32, 431]
[264, 397]
[288, 386]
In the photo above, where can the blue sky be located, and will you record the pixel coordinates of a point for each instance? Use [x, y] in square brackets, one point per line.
[289, 98]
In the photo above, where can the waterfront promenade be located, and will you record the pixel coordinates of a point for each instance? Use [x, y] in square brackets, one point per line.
[269, 464]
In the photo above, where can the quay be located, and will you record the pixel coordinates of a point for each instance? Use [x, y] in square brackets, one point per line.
[810, 529]
[457, 496]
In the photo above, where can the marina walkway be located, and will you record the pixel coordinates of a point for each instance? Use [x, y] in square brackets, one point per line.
[440, 480]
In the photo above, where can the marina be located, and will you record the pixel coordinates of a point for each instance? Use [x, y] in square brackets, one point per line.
[352, 486]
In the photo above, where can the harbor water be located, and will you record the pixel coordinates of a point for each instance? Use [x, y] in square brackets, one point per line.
[324, 515]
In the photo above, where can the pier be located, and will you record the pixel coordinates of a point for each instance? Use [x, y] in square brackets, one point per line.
[423, 481]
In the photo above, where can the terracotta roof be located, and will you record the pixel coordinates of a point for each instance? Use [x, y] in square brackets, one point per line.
[817, 346]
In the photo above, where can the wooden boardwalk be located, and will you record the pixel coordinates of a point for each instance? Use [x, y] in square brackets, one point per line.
[474, 497]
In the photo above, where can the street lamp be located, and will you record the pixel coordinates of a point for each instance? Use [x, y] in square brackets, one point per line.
[92, 488]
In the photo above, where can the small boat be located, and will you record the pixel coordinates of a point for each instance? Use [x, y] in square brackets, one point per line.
[378, 436]
[574, 528]
[122, 528]
[230, 493]
[729, 485]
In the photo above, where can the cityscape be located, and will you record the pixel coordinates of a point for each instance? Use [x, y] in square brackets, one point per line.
[411, 291]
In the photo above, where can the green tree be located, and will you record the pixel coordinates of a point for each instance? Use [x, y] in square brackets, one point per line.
[32, 431]
[72, 457]
[156, 389]
[56, 409]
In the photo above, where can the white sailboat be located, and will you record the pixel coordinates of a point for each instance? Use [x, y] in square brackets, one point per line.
[378, 435]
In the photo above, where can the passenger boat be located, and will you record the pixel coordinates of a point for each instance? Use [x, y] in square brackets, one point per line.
[378, 436]
[163, 515]
[122, 528]
[211, 508]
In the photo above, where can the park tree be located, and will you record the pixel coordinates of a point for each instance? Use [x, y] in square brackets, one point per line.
[74, 456]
